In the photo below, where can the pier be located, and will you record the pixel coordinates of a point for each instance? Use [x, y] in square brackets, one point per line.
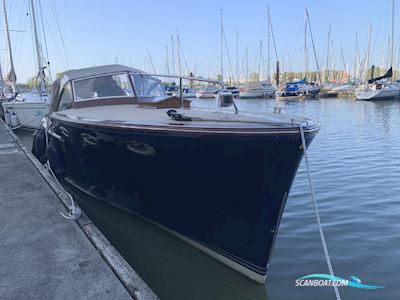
[43, 255]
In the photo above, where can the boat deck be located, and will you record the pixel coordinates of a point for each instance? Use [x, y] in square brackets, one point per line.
[146, 116]
[45, 256]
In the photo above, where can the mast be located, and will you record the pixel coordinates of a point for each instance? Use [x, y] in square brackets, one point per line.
[327, 55]
[368, 51]
[237, 57]
[392, 47]
[305, 44]
[11, 76]
[151, 61]
[247, 64]
[355, 58]
[388, 63]
[259, 63]
[268, 62]
[42, 86]
[313, 45]
[344, 63]
[222, 49]
[167, 61]
[173, 54]
[273, 40]
[179, 55]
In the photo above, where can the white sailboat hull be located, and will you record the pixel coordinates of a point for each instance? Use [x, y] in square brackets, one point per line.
[29, 114]
[251, 94]
[377, 94]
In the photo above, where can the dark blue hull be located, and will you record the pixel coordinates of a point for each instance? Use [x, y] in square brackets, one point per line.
[226, 192]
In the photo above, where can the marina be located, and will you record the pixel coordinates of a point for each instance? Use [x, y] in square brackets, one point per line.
[359, 218]
[44, 254]
[256, 157]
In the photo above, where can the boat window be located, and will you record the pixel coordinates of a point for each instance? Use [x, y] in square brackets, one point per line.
[65, 98]
[106, 86]
[147, 86]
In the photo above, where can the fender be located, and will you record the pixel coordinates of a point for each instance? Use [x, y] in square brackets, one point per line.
[56, 159]
[39, 145]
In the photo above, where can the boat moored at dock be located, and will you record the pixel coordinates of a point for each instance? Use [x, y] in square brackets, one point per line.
[113, 134]
[298, 89]
[27, 109]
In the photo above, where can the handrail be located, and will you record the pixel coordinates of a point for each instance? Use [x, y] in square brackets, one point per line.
[181, 77]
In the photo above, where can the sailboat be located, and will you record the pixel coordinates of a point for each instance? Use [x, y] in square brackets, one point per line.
[380, 87]
[27, 109]
[265, 88]
[302, 88]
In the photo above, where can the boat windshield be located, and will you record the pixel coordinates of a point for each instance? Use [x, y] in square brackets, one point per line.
[116, 85]
[148, 86]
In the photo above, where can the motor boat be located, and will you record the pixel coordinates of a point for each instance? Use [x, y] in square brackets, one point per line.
[187, 92]
[180, 168]
[257, 90]
[208, 92]
[234, 90]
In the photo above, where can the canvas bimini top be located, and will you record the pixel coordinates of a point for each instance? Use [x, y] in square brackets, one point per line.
[111, 84]
[96, 71]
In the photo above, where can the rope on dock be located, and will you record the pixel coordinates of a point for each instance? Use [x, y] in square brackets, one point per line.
[74, 211]
[317, 216]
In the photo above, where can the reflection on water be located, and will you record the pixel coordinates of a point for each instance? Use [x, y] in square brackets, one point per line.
[355, 162]
[172, 268]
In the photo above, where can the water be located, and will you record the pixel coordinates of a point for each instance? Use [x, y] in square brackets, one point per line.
[355, 163]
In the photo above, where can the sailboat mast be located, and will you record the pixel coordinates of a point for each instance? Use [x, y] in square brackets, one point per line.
[259, 63]
[344, 64]
[173, 54]
[327, 55]
[305, 44]
[356, 58]
[222, 49]
[247, 63]
[368, 51]
[179, 55]
[268, 63]
[276, 52]
[314, 50]
[167, 59]
[12, 77]
[237, 57]
[392, 48]
[38, 52]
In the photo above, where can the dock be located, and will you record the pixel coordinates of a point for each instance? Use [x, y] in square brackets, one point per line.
[42, 254]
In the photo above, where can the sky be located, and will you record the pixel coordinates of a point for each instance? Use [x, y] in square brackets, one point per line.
[85, 33]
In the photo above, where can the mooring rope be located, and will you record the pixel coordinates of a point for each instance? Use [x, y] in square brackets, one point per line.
[317, 216]
[21, 125]
[74, 212]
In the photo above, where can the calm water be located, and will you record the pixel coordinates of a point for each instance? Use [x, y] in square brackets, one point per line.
[355, 162]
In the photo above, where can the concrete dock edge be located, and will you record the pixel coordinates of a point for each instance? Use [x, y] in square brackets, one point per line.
[133, 283]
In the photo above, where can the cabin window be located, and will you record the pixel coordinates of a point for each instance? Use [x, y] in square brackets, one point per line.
[65, 98]
[147, 86]
[106, 86]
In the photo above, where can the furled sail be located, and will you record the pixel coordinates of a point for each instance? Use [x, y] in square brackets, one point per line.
[388, 74]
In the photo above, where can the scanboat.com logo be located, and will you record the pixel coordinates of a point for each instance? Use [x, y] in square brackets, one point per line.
[328, 280]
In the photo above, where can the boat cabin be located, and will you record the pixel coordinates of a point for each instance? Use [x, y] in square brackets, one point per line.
[110, 85]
